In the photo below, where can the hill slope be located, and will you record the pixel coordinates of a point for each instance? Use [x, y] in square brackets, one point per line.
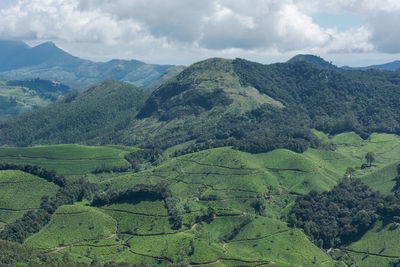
[91, 114]
[315, 60]
[47, 61]
[250, 106]
[19, 96]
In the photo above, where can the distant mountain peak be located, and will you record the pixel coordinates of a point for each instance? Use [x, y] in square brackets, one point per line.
[315, 60]
[48, 61]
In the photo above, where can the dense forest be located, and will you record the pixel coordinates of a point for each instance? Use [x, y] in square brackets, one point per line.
[183, 109]
[344, 214]
[95, 113]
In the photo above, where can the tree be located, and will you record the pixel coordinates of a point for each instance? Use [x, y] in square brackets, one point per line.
[398, 170]
[370, 157]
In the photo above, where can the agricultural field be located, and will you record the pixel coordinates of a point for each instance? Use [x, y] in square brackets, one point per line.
[72, 224]
[21, 192]
[224, 207]
[17, 99]
[68, 159]
[378, 247]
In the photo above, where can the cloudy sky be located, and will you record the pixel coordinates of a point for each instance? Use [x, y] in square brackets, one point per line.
[347, 32]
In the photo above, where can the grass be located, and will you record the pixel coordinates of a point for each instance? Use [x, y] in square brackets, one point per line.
[72, 224]
[229, 182]
[25, 99]
[68, 159]
[14, 200]
[382, 240]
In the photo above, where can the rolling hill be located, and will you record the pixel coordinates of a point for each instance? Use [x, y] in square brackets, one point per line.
[229, 102]
[96, 113]
[234, 163]
[20, 96]
[46, 61]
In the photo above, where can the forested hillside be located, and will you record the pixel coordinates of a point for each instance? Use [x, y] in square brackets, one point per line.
[18, 96]
[96, 113]
[218, 102]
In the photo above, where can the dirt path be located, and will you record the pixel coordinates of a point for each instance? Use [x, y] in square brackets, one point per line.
[219, 166]
[18, 210]
[136, 213]
[371, 254]
[153, 257]
[160, 234]
[259, 238]
[57, 249]
[234, 260]
[27, 181]
[288, 170]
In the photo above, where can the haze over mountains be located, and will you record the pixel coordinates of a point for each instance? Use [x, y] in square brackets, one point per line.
[47, 61]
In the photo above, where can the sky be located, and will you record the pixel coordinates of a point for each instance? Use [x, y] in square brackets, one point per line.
[346, 32]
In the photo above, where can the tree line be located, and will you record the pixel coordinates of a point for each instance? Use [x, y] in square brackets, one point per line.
[342, 215]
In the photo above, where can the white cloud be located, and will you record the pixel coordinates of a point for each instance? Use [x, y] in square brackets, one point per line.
[152, 27]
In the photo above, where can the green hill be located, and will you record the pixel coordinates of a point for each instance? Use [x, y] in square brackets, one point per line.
[315, 60]
[218, 102]
[95, 114]
[218, 206]
[68, 159]
[241, 164]
[14, 200]
[20, 96]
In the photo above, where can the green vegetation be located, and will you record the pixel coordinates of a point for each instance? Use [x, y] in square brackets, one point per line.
[14, 200]
[315, 60]
[20, 96]
[218, 205]
[71, 224]
[237, 163]
[93, 114]
[68, 159]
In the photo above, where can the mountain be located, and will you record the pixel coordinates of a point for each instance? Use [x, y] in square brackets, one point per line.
[236, 164]
[20, 96]
[392, 66]
[47, 61]
[94, 113]
[250, 106]
[315, 60]
[168, 74]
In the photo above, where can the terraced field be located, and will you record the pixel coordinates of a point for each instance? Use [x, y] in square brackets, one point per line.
[232, 205]
[21, 192]
[68, 159]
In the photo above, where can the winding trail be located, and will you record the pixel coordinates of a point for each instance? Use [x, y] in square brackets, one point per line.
[371, 254]
[286, 170]
[57, 249]
[258, 238]
[136, 213]
[219, 166]
[27, 181]
[18, 210]
[153, 257]
[234, 260]
[161, 234]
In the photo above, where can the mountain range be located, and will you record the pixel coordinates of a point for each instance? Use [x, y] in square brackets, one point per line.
[47, 61]
[229, 102]
[223, 163]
